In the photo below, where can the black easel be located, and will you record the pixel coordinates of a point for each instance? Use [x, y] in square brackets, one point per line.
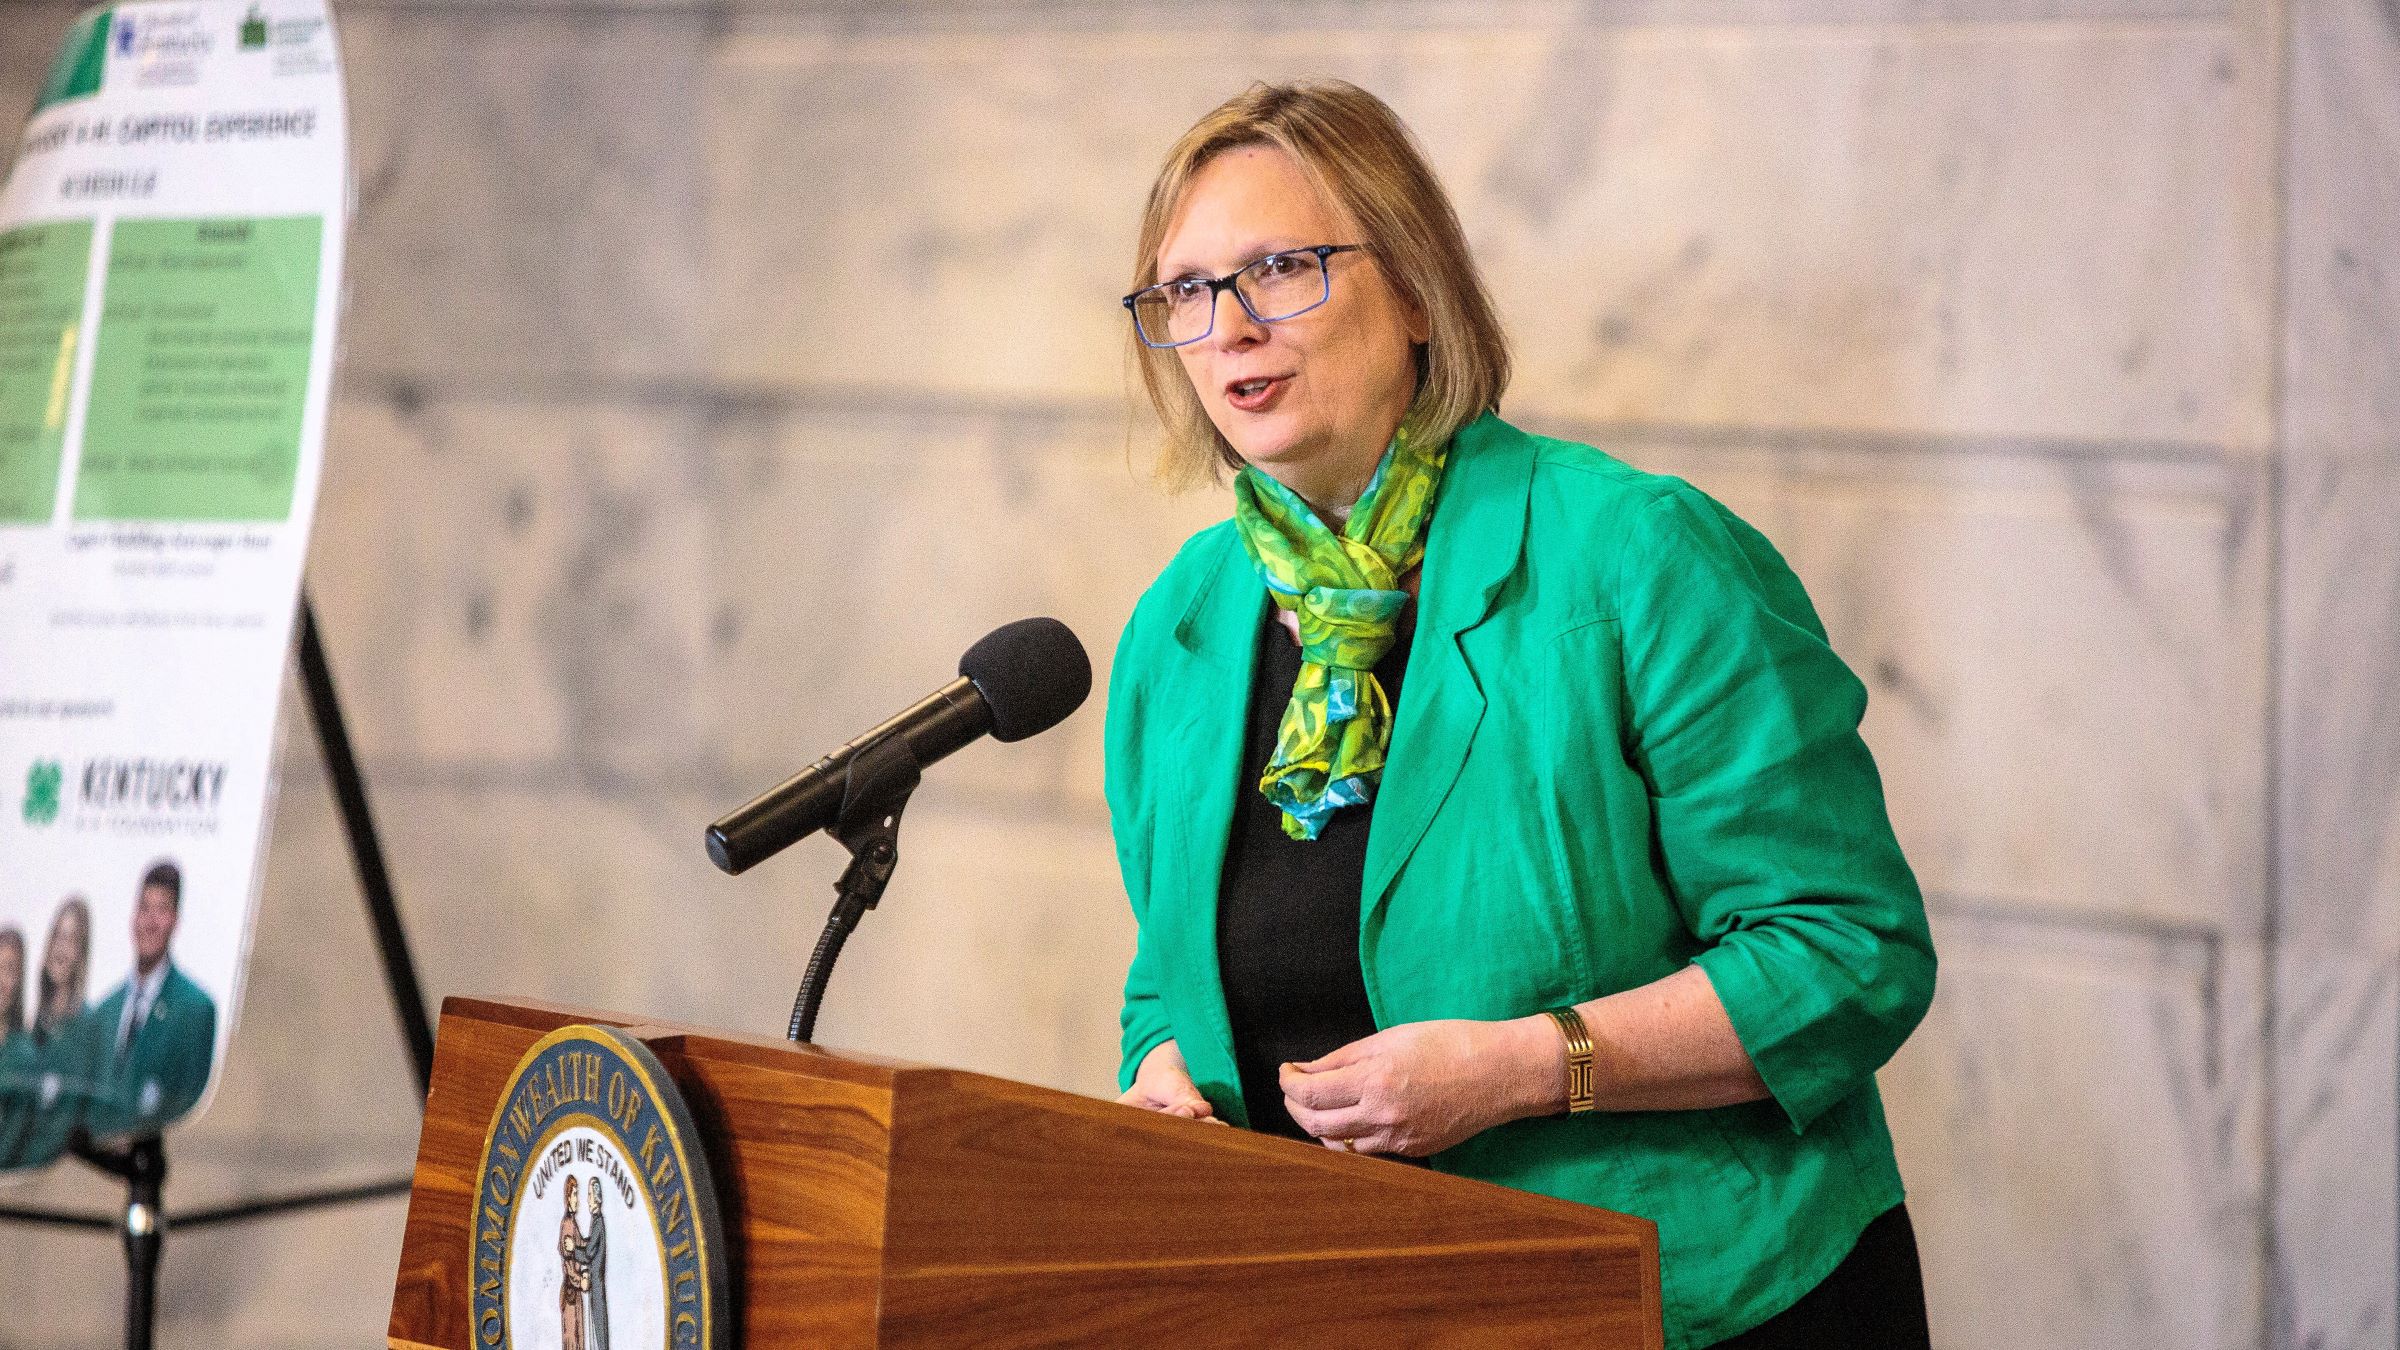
[142, 1164]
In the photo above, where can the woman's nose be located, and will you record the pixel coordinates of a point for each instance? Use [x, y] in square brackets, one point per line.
[1234, 327]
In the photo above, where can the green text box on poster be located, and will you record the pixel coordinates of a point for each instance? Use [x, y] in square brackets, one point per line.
[201, 372]
[42, 271]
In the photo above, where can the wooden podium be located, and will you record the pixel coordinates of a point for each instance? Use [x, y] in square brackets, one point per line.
[871, 1202]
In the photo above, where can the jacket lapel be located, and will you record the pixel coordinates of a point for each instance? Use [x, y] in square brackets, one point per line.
[1478, 536]
[1219, 637]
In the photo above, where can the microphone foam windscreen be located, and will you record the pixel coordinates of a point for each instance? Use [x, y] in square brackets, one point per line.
[1033, 672]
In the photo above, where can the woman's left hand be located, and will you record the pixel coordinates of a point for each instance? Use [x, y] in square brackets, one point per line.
[1421, 1087]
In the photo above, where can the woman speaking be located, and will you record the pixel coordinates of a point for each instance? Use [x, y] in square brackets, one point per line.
[1481, 799]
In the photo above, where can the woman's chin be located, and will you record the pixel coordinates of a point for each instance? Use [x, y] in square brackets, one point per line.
[1269, 447]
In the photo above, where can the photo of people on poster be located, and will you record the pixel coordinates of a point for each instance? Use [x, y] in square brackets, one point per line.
[133, 1061]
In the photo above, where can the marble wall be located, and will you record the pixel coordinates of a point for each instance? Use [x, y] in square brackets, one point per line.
[2336, 748]
[2054, 343]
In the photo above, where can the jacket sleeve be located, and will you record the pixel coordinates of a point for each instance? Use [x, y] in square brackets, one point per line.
[1768, 810]
[194, 1055]
[1143, 1019]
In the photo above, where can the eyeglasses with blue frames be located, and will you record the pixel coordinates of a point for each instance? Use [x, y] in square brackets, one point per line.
[1276, 287]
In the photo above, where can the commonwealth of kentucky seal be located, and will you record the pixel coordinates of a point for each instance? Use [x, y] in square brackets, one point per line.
[596, 1226]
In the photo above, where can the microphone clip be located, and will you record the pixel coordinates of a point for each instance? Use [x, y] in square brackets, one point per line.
[875, 791]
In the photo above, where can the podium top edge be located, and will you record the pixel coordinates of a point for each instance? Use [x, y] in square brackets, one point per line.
[541, 1016]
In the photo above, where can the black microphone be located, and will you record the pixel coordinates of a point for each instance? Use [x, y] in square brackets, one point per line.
[1021, 680]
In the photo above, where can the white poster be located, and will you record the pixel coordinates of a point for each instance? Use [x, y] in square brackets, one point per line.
[171, 240]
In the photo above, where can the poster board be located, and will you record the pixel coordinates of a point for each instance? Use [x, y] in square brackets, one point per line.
[171, 235]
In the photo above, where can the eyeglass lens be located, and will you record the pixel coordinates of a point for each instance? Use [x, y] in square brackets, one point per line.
[1275, 287]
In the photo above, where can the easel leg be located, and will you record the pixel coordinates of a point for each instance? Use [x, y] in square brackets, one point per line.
[142, 1166]
[145, 1236]
[366, 851]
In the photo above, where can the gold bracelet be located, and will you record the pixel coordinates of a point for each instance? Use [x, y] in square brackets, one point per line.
[1579, 1059]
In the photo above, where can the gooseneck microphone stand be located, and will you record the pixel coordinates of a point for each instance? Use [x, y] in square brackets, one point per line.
[875, 790]
[142, 1163]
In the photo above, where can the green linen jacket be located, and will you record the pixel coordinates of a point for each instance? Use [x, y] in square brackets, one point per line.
[54, 1082]
[1624, 746]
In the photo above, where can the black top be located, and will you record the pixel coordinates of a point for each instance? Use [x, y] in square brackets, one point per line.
[1287, 910]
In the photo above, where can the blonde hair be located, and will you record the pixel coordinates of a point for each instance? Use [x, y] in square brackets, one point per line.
[60, 1000]
[1363, 163]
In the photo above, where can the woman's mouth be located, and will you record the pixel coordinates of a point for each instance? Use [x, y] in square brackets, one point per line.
[1253, 395]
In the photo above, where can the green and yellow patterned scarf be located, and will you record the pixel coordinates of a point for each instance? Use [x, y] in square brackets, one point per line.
[1330, 749]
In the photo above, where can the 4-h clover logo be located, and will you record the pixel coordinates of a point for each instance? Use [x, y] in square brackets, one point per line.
[42, 783]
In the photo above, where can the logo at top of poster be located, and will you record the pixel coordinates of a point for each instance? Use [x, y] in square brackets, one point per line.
[164, 46]
[43, 782]
[298, 42]
[596, 1222]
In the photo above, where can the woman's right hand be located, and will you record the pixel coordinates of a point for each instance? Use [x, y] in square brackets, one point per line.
[1162, 1083]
